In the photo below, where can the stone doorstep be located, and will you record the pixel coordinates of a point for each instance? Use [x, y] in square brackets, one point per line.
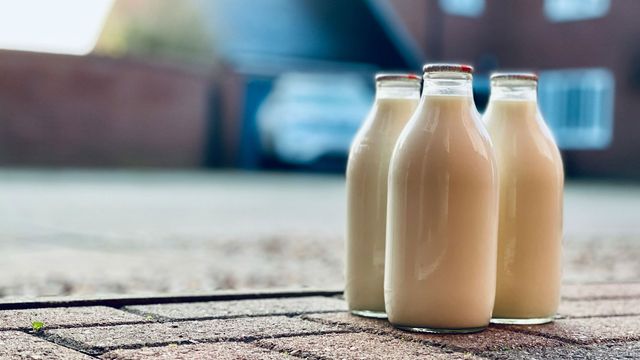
[228, 309]
[19, 345]
[66, 317]
[97, 340]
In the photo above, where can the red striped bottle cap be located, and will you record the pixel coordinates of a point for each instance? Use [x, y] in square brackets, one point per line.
[397, 77]
[461, 68]
[514, 76]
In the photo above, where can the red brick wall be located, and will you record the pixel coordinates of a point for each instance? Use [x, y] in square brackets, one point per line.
[93, 111]
[519, 34]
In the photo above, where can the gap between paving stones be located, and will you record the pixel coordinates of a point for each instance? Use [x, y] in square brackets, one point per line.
[344, 328]
[41, 337]
[253, 342]
[301, 354]
[121, 301]
[164, 319]
[596, 316]
[150, 318]
[480, 353]
[399, 336]
[603, 296]
[625, 299]
[353, 329]
[76, 345]
[78, 326]
[305, 356]
[595, 298]
[95, 352]
[516, 329]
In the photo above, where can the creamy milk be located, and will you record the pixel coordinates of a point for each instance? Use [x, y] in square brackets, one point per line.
[367, 194]
[442, 218]
[530, 225]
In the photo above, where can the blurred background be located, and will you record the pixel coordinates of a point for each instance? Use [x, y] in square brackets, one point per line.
[192, 145]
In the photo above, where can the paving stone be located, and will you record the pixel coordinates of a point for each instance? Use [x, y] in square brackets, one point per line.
[588, 330]
[603, 351]
[491, 339]
[219, 351]
[73, 316]
[18, 345]
[97, 340]
[221, 309]
[358, 346]
[589, 308]
[604, 290]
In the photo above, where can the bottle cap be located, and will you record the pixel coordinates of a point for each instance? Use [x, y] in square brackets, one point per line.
[461, 68]
[397, 77]
[514, 76]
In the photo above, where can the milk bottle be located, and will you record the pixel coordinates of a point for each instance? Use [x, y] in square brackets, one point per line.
[531, 187]
[397, 96]
[442, 213]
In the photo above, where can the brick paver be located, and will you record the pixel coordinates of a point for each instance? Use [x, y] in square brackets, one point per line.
[607, 307]
[490, 339]
[604, 351]
[100, 339]
[74, 316]
[218, 351]
[593, 325]
[18, 345]
[602, 290]
[358, 346]
[222, 309]
[589, 330]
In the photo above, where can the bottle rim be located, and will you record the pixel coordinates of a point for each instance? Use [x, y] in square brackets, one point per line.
[514, 76]
[457, 68]
[397, 77]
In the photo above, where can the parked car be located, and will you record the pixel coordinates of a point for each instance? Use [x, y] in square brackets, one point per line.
[310, 115]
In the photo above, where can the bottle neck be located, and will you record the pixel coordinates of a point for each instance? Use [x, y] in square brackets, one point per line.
[514, 90]
[398, 89]
[444, 83]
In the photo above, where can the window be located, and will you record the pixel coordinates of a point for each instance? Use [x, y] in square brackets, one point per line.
[468, 8]
[572, 10]
[578, 106]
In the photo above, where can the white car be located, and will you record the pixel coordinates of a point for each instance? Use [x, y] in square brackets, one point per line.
[310, 115]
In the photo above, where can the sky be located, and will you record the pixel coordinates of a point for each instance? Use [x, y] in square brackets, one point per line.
[54, 26]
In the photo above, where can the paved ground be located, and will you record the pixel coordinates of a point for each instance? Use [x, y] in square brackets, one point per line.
[79, 232]
[595, 321]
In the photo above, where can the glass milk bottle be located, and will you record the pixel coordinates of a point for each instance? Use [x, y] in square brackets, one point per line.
[530, 224]
[442, 212]
[397, 96]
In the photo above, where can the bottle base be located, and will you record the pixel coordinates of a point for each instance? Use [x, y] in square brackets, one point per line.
[370, 314]
[429, 330]
[522, 321]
